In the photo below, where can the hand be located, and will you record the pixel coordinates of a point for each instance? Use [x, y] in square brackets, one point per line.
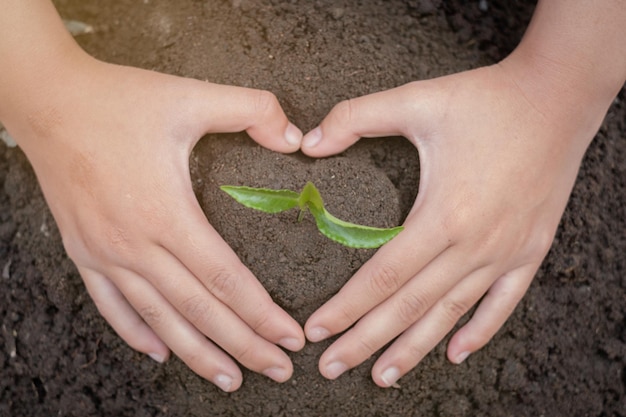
[111, 151]
[497, 168]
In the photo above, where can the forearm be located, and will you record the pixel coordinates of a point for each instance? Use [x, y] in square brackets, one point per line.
[571, 62]
[36, 52]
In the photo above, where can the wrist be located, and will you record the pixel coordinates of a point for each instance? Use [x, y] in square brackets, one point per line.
[572, 99]
[38, 67]
[36, 102]
[571, 63]
[561, 80]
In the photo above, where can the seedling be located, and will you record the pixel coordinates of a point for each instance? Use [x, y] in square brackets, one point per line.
[276, 201]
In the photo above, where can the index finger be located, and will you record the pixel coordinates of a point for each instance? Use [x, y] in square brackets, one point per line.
[201, 249]
[394, 112]
[223, 108]
[380, 277]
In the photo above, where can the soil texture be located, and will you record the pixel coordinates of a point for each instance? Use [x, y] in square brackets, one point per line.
[563, 351]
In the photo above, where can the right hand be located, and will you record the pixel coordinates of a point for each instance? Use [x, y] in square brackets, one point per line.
[497, 166]
[110, 146]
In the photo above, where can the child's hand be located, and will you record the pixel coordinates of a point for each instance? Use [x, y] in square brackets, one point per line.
[110, 146]
[497, 167]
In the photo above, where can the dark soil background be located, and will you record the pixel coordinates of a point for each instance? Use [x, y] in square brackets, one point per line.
[562, 353]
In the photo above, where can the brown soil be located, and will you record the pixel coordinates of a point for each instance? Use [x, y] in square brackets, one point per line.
[563, 352]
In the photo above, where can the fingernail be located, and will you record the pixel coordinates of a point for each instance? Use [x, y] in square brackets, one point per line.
[317, 334]
[293, 135]
[390, 376]
[290, 343]
[224, 382]
[156, 357]
[277, 374]
[461, 357]
[334, 369]
[312, 138]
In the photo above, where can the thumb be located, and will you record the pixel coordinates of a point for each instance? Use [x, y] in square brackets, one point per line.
[395, 112]
[222, 108]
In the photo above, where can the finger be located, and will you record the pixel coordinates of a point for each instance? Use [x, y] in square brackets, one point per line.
[396, 314]
[210, 259]
[191, 346]
[384, 274]
[122, 316]
[410, 348]
[492, 312]
[386, 113]
[416, 342]
[220, 108]
[212, 318]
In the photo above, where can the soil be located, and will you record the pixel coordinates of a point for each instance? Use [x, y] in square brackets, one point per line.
[563, 351]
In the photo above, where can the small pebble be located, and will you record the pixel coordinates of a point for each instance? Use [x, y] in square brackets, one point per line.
[337, 12]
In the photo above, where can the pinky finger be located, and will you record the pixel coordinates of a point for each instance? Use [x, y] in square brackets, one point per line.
[493, 311]
[126, 322]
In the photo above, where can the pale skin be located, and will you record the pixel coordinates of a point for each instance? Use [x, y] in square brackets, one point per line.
[110, 146]
[499, 148]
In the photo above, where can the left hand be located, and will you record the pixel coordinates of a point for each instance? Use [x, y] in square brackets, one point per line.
[111, 152]
[497, 168]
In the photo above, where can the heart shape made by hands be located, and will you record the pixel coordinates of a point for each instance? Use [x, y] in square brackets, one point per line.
[299, 267]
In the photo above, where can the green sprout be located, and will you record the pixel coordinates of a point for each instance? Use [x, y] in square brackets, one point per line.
[276, 201]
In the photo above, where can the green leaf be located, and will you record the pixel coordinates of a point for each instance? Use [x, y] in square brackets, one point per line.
[310, 196]
[350, 234]
[268, 201]
[275, 201]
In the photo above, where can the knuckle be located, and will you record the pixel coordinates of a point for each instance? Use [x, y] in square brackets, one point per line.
[246, 354]
[365, 347]
[343, 111]
[118, 241]
[454, 309]
[411, 307]
[265, 103]
[194, 360]
[347, 314]
[196, 309]
[385, 279]
[417, 351]
[104, 242]
[152, 315]
[260, 321]
[456, 221]
[223, 283]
